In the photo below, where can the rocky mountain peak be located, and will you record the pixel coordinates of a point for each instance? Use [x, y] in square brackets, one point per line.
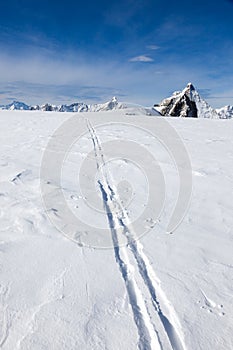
[181, 103]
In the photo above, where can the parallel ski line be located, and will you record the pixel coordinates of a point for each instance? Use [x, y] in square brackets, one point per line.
[148, 338]
[171, 324]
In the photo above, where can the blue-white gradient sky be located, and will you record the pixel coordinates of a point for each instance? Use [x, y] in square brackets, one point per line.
[139, 50]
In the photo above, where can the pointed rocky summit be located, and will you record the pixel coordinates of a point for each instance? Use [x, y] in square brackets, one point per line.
[186, 103]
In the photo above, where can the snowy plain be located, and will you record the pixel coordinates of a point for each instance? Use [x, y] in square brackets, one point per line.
[177, 290]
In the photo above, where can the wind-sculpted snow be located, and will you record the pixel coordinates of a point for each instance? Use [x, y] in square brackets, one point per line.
[149, 204]
[149, 289]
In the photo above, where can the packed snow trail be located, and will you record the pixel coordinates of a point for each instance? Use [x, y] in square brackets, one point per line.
[148, 339]
[119, 224]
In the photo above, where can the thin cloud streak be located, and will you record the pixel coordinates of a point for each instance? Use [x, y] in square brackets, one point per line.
[153, 47]
[142, 58]
[40, 79]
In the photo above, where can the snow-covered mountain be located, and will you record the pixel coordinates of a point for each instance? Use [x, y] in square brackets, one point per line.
[108, 106]
[225, 112]
[189, 103]
[185, 103]
[74, 107]
[16, 105]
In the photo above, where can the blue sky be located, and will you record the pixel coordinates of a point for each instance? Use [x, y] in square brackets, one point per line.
[139, 50]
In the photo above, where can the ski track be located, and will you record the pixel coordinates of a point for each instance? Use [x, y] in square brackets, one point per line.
[119, 224]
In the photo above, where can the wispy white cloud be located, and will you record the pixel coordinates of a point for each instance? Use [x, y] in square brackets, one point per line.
[153, 47]
[74, 77]
[142, 58]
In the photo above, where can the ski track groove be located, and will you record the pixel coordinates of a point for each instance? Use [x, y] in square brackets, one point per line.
[117, 217]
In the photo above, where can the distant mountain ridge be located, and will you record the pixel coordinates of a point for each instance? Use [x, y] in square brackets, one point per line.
[74, 107]
[187, 103]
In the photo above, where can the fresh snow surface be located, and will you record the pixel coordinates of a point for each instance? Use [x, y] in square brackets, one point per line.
[164, 291]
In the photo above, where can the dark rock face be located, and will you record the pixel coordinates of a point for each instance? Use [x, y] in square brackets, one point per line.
[184, 104]
[180, 104]
[47, 107]
[35, 108]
